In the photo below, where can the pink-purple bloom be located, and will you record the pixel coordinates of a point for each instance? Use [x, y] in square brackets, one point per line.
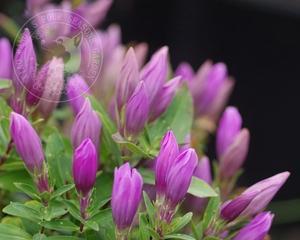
[137, 110]
[126, 195]
[76, 88]
[167, 154]
[5, 59]
[86, 125]
[27, 142]
[25, 63]
[232, 142]
[85, 165]
[257, 228]
[254, 199]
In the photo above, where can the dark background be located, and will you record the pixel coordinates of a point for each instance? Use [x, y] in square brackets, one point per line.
[260, 43]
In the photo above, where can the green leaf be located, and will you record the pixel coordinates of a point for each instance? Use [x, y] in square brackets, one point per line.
[181, 109]
[59, 163]
[102, 217]
[131, 146]
[109, 128]
[150, 208]
[28, 189]
[153, 233]
[211, 211]
[143, 223]
[73, 210]
[199, 188]
[7, 179]
[148, 176]
[94, 209]
[60, 191]
[23, 211]
[5, 83]
[63, 238]
[92, 225]
[61, 225]
[211, 238]
[179, 236]
[179, 223]
[12, 232]
[15, 165]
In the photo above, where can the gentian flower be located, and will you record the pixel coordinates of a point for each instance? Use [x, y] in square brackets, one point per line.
[6, 59]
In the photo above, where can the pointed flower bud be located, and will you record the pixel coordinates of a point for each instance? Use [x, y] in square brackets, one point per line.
[232, 143]
[254, 199]
[76, 91]
[27, 142]
[53, 87]
[164, 98]
[85, 165]
[36, 91]
[154, 73]
[137, 110]
[5, 59]
[25, 63]
[128, 79]
[86, 125]
[167, 154]
[257, 228]
[180, 175]
[126, 195]
[141, 51]
[186, 71]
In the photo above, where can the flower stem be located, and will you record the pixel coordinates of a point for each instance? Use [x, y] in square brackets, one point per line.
[7, 151]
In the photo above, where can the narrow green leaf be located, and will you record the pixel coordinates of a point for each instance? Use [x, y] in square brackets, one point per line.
[97, 205]
[211, 211]
[153, 233]
[92, 225]
[12, 232]
[23, 211]
[28, 189]
[199, 188]
[60, 191]
[179, 236]
[73, 210]
[143, 223]
[148, 176]
[179, 223]
[61, 225]
[150, 208]
[7, 179]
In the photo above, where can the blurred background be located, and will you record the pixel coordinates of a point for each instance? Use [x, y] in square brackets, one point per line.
[259, 40]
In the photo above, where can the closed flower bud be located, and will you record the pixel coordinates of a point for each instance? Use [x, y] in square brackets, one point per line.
[186, 71]
[36, 91]
[5, 59]
[86, 125]
[137, 110]
[254, 199]
[179, 177]
[85, 165]
[141, 51]
[53, 87]
[126, 195]
[27, 142]
[232, 142]
[76, 91]
[166, 157]
[164, 98]
[128, 79]
[25, 63]
[154, 73]
[257, 228]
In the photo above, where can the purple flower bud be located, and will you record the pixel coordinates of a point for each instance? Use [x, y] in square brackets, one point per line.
[36, 91]
[257, 228]
[154, 73]
[95, 12]
[33, 6]
[141, 51]
[164, 98]
[126, 195]
[186, 71]
[137, 110]
[180, 175]
[254, 199]
[85, 165]
[24, 63]
[86, 125]
[5, 59]
[27, 142]
[229, 127]
[232, 160]
[76, 90]
[53, 87]
[128, 80]
[168, 153]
